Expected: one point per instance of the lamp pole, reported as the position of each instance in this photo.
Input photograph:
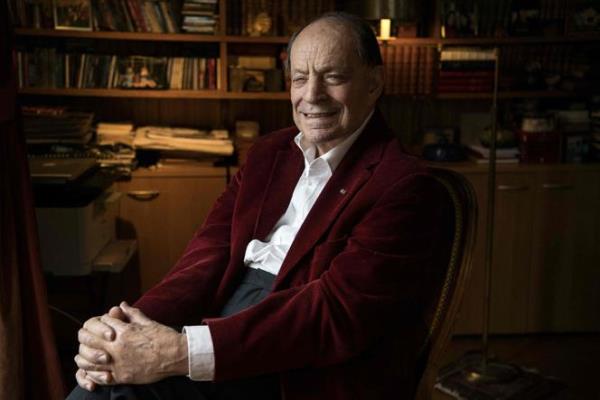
(483, 370)
(490, 217)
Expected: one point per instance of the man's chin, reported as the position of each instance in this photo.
(319, 135)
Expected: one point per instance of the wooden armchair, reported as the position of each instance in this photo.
(459, 268)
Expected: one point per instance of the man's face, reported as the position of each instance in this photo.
(332, 90)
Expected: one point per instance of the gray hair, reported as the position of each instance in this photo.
(367, 47)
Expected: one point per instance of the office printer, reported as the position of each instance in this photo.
(76, 209)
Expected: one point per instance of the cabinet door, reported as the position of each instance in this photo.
(512, 252)
(565, 259)
(163, 213)
(511, 256)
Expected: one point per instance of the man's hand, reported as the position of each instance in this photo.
(95, 327)
(143, 351)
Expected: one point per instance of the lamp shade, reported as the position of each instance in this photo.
(398, 10)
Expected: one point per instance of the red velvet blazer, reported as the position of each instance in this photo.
(346, 318)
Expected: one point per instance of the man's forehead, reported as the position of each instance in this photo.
(325, 45)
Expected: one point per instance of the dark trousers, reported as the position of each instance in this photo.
(255, 286)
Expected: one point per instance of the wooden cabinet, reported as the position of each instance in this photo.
(565, 261)
(546, 250)
(162, 208)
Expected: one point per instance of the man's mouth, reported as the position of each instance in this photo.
(319, 114)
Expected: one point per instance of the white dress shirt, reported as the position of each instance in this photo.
(269, 255)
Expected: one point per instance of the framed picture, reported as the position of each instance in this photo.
(73, 14)
(254, 80)
(138, 72)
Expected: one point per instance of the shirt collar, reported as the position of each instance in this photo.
(334, 156)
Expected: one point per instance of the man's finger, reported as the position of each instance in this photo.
(134, 314)
(117, 313)
(114, 323)
(99, 377)
(83, 381)
(93, 355)
(89, 366)
(98, 328)
(91, 340)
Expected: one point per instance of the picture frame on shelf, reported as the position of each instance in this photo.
(139, 72)
(254, 80)
(72, 14)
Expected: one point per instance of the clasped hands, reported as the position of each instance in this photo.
(126, 347)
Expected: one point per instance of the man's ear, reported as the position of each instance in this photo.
(376, 81)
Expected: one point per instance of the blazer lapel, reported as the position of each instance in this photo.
(352, 173)
(285, 173)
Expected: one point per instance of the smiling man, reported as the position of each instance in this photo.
(313, 273)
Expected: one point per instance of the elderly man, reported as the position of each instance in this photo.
(311, 276)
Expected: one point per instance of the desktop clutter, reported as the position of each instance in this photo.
(528, 134)
(74, 162)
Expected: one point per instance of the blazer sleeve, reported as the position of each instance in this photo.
(187, 292)
(383, 270)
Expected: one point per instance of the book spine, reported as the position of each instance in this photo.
(150, 17)
(67, 71)
(126, 15)
(202, 73)
(212, 84)
(169, 22)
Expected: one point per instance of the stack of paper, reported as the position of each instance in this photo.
(182, 139)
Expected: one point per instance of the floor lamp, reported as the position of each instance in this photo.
(481, 369)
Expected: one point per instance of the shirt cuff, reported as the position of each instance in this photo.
(201, 354)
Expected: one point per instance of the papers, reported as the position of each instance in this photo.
(182, 139)
(113, 133)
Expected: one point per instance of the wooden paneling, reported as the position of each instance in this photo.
(546, 257)
(565, 260)
(511, 253)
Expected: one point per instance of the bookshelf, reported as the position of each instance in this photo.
(223, 42)
(226, 46)
(156, 94)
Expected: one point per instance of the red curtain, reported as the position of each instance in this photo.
(29, 367)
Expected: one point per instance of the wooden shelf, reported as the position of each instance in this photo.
(510, 95)
(500, 41)
(491, 41)
(257, 39)
(157, 94)
(149, 36)
(222, 95)
(189, 37)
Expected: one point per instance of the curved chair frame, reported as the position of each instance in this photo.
(457, 275)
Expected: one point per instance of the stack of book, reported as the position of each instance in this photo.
(481, 154)
(409, 69)
(469, 70)
(56, 125)
(134, 16)
(110, 133)
(200, 16)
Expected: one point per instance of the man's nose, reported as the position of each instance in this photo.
(315, 90)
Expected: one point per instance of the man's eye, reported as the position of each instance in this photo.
(299, 79)
(334, 78)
